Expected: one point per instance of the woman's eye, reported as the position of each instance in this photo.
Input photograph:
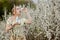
(17, 8)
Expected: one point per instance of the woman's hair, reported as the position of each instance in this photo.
(14, 10)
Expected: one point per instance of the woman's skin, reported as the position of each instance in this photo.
(16, 11)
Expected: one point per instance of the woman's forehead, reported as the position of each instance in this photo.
(17, 7)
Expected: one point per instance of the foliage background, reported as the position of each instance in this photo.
(45, 24)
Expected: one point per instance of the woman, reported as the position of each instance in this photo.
(15, 23)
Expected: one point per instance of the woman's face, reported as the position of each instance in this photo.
(17, 10)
